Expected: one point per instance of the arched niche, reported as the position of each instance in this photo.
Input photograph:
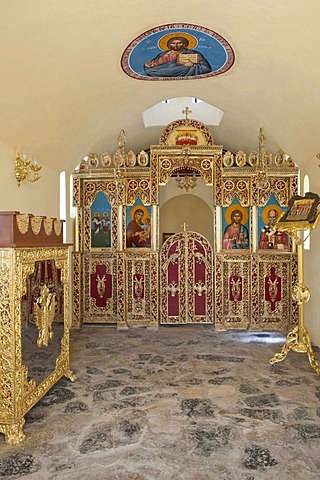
(186, 208)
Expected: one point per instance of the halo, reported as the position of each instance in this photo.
(236, 207)
(162, 43)
(266, 210)
(139, 207)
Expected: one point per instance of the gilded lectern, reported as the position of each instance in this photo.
(34, 315)
(302, 215)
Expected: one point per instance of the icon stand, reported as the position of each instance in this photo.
(301, 215)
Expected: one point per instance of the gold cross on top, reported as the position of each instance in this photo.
(186, 111)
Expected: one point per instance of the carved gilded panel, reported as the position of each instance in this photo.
(100, 288)
(241, 187)
(271, 289)
(7, 346)
(76, 192)
(121, 281)
(232, 282)
(154, 292)
(141, 282)
(217, 191)
(19, 392)
(171, 160)
(169, 134)
(186, 283)
(138, 187)
(154, 198)
(76, 301)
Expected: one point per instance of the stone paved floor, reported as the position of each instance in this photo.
(182, 403)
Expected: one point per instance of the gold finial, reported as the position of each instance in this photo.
(185, 226)
(186, 111)
(122, 140)
(261, 138)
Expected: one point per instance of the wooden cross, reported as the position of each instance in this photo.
(186, 111)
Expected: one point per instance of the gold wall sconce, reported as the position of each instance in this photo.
(26, 168)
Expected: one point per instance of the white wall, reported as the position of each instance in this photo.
(312, 260)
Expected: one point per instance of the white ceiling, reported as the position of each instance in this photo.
(63, 93)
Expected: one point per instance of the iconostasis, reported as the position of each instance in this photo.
(130, 269)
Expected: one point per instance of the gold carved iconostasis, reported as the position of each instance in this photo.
(183, 233)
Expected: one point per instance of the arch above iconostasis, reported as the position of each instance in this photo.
(187, 145)
(183, 132)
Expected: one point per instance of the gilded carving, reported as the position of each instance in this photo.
(143, 159)
(36, 223)
(57, 225)
(76, 303)
(76, 192)
(101, 285)
(241, 159)
(186, 279)
(173, 288)
(232, 283)
(301, 293)
(17, 393)
(236, 186)
(271, 280)
(7, 354)
(138, 299)
(200, 288)
(228, 159)
(22, 220)
(176, 158)
(252, 290)
(138, 287)
(45, 307)
(138, 187)
(99, 296)
(203, 134)
(47, 225)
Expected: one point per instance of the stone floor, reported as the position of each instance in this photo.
(182, 403)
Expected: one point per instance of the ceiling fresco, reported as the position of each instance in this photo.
(177, 51)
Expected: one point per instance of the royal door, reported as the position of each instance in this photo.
(186, 279)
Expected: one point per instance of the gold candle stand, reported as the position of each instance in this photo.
(298, 339)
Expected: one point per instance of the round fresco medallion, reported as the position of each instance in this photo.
(177, 51)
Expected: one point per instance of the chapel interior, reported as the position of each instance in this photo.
(141, 338)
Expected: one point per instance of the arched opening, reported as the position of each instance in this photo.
(186, 208)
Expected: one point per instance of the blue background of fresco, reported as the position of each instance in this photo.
(147, 49)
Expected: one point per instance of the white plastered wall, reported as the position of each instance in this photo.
(312, 260)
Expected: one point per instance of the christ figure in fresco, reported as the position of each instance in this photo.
(177, 61)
